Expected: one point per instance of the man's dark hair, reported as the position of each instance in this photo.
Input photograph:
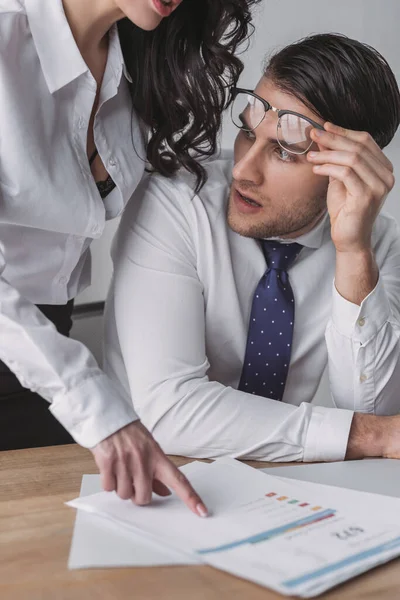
(182, 73)
(343, 81)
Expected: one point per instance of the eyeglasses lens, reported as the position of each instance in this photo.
(294, 134)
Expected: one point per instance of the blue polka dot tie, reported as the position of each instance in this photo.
(269, 341)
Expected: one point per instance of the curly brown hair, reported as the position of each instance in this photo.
(182, 73)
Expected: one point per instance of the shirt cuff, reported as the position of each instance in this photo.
(361, 323)
(328, 434)
(94, 410)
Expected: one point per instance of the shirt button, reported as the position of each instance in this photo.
(363, 377)
(81, 123)
(95, 229)
(63, 280)
(361, 322)
(112, 162)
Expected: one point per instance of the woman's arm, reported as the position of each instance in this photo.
(60, 369)
(89, 404)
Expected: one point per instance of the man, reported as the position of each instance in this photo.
(228, 304)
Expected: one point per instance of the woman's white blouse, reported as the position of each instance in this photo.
(50, 207)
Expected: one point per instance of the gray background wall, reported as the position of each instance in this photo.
(280, 22)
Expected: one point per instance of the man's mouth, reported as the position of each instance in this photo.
(248, 200)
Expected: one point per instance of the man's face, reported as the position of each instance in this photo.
(289, 197)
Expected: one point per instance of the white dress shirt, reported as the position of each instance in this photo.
(177, 325)
(51, 208)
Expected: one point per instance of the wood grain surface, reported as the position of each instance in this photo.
(35, 537)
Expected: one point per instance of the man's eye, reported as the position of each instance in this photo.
(249, 135)
(284, 155)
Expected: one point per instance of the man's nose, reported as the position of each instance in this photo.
(250, 167)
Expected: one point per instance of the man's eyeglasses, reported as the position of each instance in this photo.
(293, 129)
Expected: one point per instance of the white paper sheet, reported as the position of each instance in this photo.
(269, 530)
(374, 475)
(98, 543)
(367, 508)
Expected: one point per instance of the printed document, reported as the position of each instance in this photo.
(263, 528)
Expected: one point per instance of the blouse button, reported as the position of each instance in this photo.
(95, 229)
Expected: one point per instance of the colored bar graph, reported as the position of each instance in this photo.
(293, 501)
(271, 533)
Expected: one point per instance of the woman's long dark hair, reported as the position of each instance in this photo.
(181, 74)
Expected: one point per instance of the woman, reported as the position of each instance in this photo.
(88, 90)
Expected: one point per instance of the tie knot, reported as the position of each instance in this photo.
(280, 255)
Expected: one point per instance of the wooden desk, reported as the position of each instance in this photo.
(35, 537)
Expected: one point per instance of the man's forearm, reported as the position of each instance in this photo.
(356, 275)
(369, 436)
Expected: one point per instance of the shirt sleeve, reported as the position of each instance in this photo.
(159, 313)
(363, 341)
(84, 399)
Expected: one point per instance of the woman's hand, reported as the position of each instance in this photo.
(132, 463)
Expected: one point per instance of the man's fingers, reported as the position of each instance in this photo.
(368, 170)
(363, 138)
(346, 175)
(338, 138)
(172, 477)
(160, 489)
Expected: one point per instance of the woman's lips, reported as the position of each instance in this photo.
(165, 9)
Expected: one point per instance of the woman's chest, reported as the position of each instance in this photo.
(45, 176)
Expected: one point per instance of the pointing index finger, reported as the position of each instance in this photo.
(171, 476)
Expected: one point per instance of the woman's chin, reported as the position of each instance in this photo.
(147, 24)
(142, 14)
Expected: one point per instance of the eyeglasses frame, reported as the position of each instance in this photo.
(281, 113)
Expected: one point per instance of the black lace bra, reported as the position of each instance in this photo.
(104, 187)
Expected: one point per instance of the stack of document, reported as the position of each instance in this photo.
(295, 539)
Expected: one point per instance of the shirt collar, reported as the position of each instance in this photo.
(115, 56)
(311, 239)
(59, 56)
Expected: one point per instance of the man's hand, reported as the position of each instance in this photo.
(360, 178)
(132, 463)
